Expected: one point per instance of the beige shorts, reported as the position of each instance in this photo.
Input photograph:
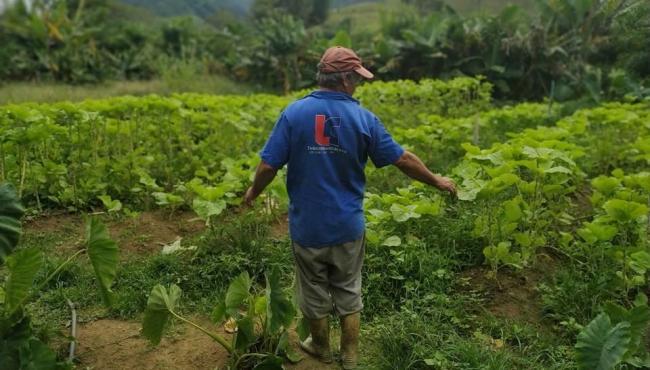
(329, 278)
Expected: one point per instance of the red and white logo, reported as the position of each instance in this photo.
(325, 130)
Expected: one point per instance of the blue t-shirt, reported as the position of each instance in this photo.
(326, 139)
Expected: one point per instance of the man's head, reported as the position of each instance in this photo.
(340, 69)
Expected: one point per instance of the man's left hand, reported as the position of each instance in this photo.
(448, 185)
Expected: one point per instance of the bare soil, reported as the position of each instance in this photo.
(512, 295)
(116, 345)
(150, 231)
(53, 222)
(144, 235)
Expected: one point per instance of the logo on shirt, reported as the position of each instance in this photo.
(326, 136)
(325, 130)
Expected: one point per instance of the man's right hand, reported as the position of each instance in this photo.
(249, 197)
(446, 184)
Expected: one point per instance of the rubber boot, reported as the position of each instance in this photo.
(318, 342)
(350, 326)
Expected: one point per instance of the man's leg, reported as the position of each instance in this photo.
(314, 300)
(345, 287)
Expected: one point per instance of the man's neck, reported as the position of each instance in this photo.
(333, 90)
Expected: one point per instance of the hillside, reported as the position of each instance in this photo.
(365, 12)
(201, 8)
(204, 8)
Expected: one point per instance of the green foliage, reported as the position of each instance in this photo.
(619, 225)
(10, 213)
(103, 255)
(160, 306)
(21, 348)
(614, 337)
(22, 267)
(602, 345)
(262, 320)
(280, 311)
(102, 152)
(311, 12)
(585, 51)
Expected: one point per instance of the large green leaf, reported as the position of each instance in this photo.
(403, 213)
(245, 333)
(392, 241)
(470, 188)
(22, 267)
(512, 211)
(606, 185)
(103, 254)
(624, 211)
(280, 311)
(36, 355)
(638, 317)
(238, 292)
(159, 307)
(601, 346)
(206, 209)
(10, 213)
(302, 328)
(218, 313)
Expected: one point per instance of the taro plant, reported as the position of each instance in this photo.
(262, 320)
(615, 337)
(20, 348)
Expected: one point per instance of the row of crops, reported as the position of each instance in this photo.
(535, 181)
(188, 149)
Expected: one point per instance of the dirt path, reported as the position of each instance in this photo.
(113, 344)
(116, 345)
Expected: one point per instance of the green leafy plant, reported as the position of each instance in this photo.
(524, 187)
(615, 337)
(619, 227)
(262, 321)
(20, 348)
(112, 205)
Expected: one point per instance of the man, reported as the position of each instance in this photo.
(326, 139)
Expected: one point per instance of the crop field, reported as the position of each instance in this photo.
(128, 212)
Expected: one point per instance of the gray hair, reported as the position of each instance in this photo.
(335, 80)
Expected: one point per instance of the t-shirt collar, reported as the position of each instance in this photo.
(322, 94)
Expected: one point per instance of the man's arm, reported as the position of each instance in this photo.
(263, 177)
(414, 168)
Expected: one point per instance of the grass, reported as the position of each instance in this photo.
(433, 319)
(47, 92)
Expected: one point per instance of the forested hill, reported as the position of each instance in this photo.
(202, 8)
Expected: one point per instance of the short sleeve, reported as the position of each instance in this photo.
(276, 150)
(383, 150)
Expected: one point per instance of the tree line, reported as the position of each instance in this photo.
(590, 49)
